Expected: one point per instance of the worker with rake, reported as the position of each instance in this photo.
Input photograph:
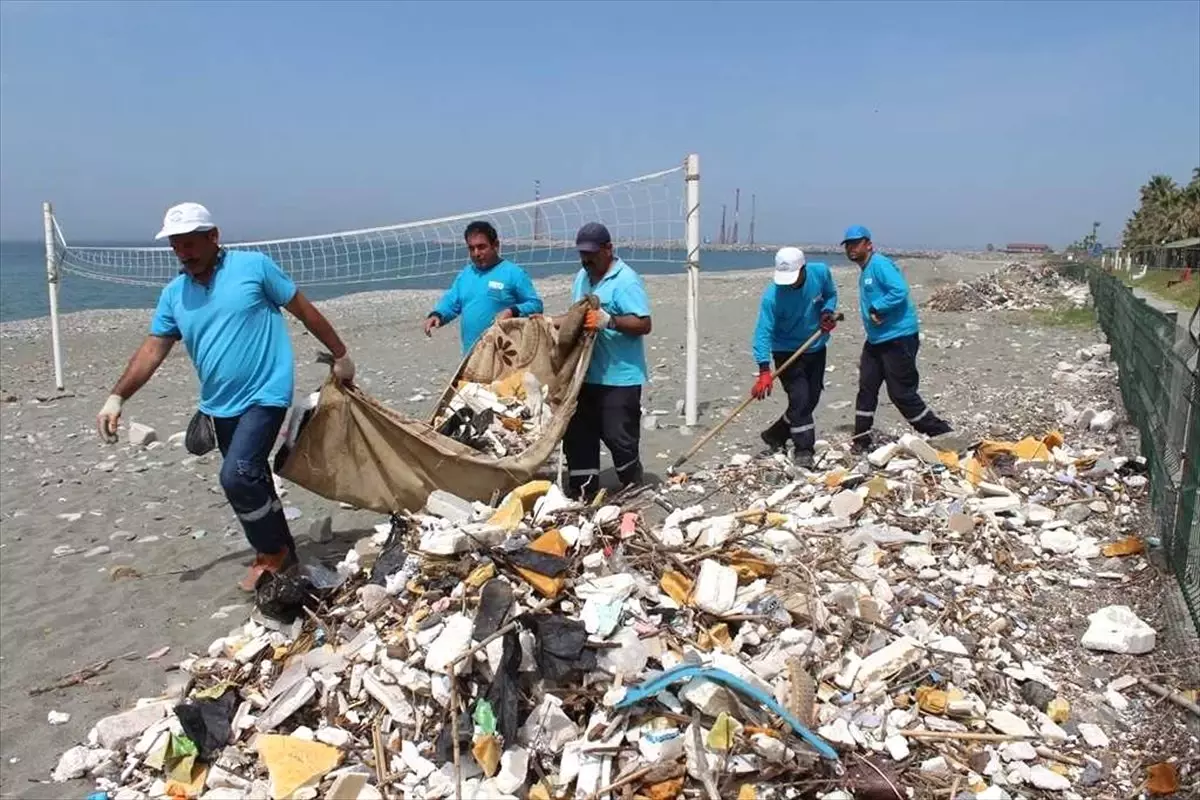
(799, 304)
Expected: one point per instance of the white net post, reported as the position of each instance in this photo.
(692, 245)
(52, 276)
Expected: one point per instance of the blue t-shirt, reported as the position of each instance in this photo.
(618, 358)
(478, 295)
(788, 316)
(881, 286)
(234, 332)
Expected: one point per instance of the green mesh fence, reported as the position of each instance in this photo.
(1160, 385)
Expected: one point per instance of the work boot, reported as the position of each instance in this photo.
(775, 437)
(266, 562)
(862, 443)
(804, 459)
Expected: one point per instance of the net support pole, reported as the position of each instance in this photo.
(52, 276)
(692, 243)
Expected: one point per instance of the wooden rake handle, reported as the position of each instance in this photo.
(742, 406)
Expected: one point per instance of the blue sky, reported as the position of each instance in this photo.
(936, 124)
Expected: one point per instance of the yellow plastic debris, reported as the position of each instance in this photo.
(551, 543)
(835, 478)
(721, 737)
(518, 503)
(511, 386)
(192, 786)
(747, 792)
(481, 575)
(1030, 449)
(714, 637)
(749, 566)
(664, 790)
(877, 487)
(932, 701)
(1054, 439)
(293, 763)
(677, 586)
(487, 754)
(540, 791)
(765, 519)
(1058, 710)
(949, 459)
(1129, 546)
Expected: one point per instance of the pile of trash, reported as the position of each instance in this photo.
(887, 626)
(499, 419)
(1018, 285)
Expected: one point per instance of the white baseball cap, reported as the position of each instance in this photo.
(788, 263)
(185, 218)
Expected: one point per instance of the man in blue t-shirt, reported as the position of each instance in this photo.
(609, 408)
(889, 355)
(798, 304)
(487, 290)
(225, 307)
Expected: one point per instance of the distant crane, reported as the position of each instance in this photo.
(753, 212)
(721, 237)
(737, 202)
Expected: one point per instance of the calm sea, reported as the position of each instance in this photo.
(23, 279)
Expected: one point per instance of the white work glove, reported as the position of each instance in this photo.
(343, 369)
(109, 418)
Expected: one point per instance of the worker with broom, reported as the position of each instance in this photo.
(799, 303)
(889, 355)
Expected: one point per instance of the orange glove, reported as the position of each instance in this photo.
(596, 320)
(762, 387)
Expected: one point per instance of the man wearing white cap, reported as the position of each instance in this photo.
(224, 305)
(800, 302)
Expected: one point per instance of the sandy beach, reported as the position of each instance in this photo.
(161, 511)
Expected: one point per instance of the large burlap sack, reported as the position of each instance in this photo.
(355, 450)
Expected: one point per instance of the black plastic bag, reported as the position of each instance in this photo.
(208, 723)
(445, 740)
(393, 556)
(201, 435)
(504, 693)
(542, 563)
(282, 596)
(467, 427)
(560, 650)
(494, 603)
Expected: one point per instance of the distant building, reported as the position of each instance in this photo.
(1025, 247)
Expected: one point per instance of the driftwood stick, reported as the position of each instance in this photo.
(950, 736)
(1174, 697)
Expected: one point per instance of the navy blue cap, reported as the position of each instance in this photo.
(856, 232)
(592, 238)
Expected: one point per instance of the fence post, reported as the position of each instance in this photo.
(52, 277)
(692, 244)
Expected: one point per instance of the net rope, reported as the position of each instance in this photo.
(645, 215)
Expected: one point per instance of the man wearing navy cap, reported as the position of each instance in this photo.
(609, 408)
(800, 302)
(889, 355)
